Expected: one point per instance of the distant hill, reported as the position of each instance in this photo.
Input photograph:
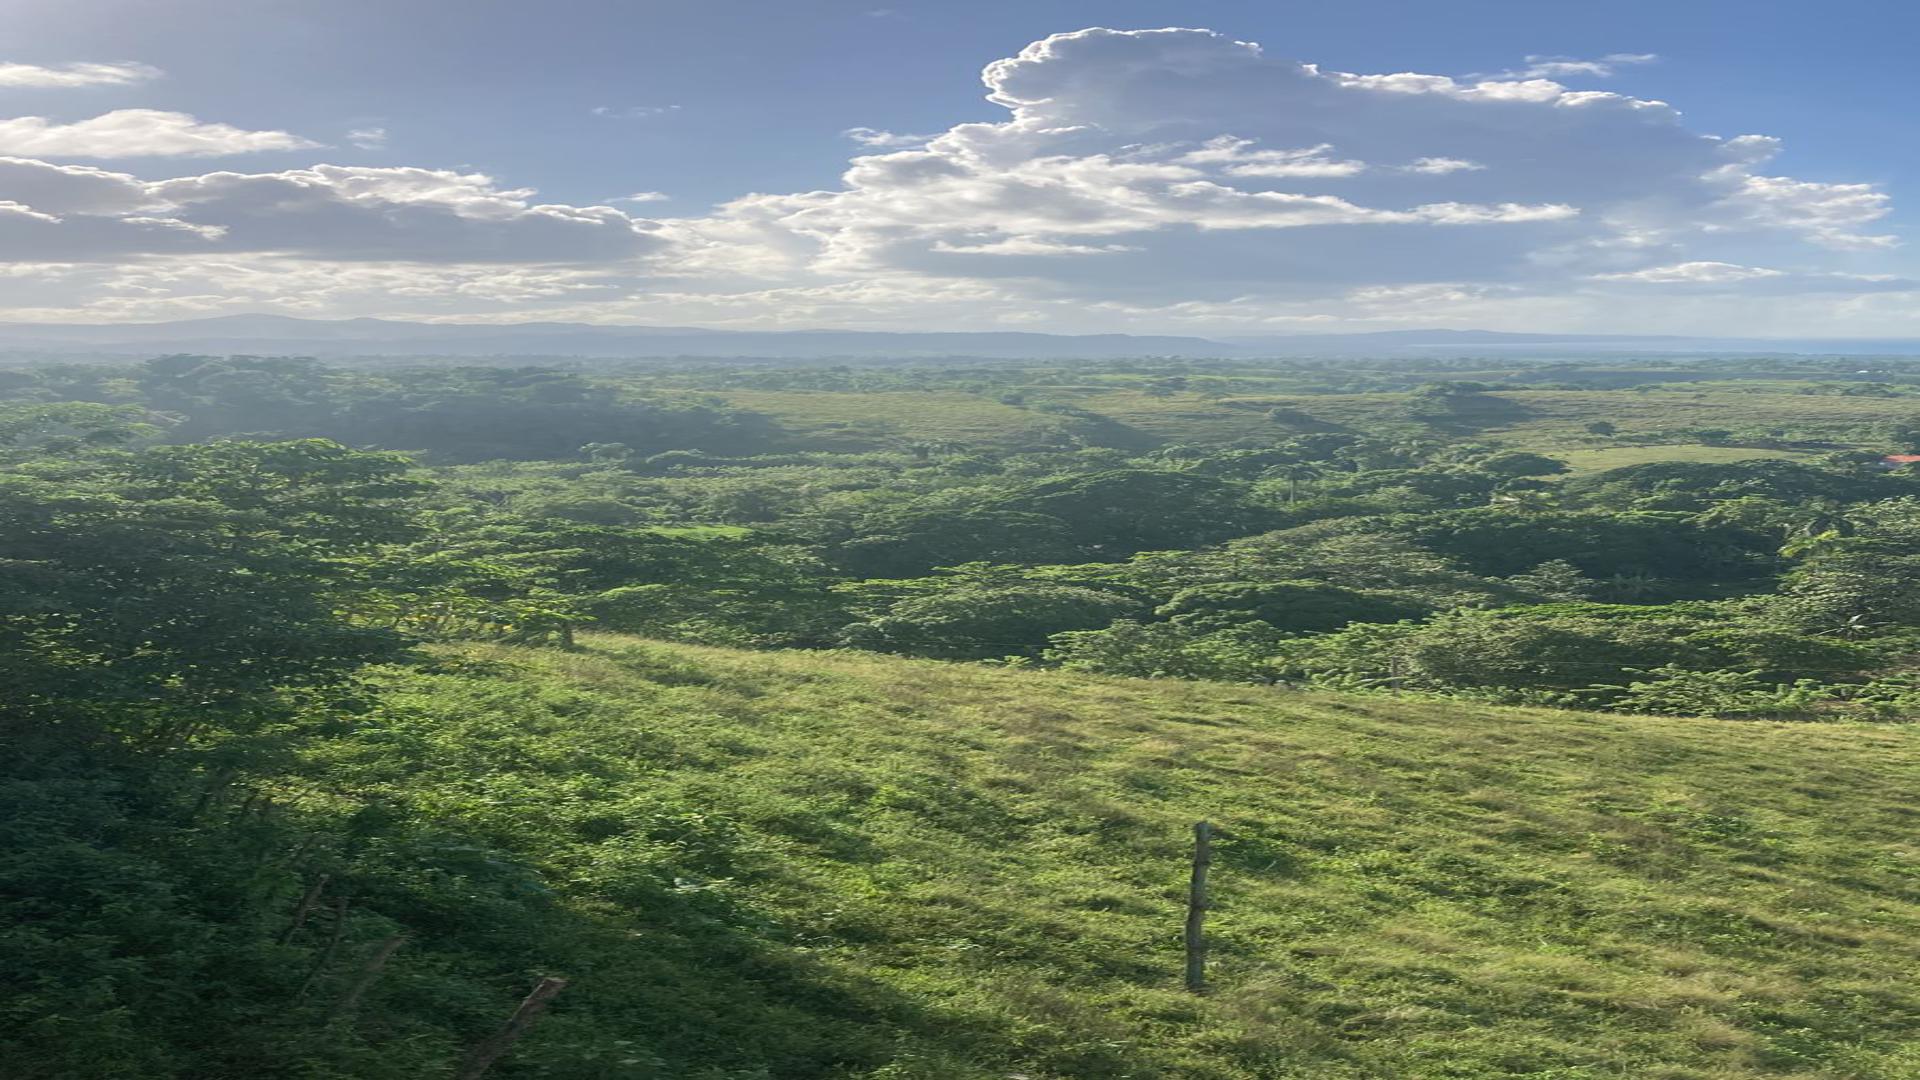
(279, 334)
(1498, 343)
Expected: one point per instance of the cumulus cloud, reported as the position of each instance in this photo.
(127, 133)
(75, 75)
(1829, 214)
(1194, 163)
(327, 212)
(213, 285)
(71, 189)
(1138, 179)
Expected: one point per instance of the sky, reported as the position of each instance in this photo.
(1216, 168)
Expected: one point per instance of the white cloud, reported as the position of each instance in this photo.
(1143, 180)
(889, 140)
(71, 189)
(213, 285)
(1170, 143)
(632, 112)
(127, 133)
(1239, 159)
(1734, 279)
(368, 138)
(644, 197)
(1561, 67)
(22, 210)
(1694, 273)
(1027, 245)
(1829, 214)
(1441, 166)
(327, 212)
(75, 75)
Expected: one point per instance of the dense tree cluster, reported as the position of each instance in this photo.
(445, 414)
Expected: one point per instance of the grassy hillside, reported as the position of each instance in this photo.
(1600, 459)
(823, 420)
(1547, 420)
(904, 869)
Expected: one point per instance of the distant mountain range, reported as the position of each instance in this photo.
(1498, 342)
(283, 335)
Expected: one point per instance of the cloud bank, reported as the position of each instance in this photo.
(63, 213)
(1141, 179)
(130, 133)
(72, 75)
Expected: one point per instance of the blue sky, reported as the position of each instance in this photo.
(467, 160)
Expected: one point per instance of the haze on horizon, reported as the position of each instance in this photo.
(1729, 170)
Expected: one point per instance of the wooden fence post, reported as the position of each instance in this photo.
(1196, 936)
(482, 1057)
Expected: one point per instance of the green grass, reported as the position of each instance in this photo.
(1545, 420)
(1599, 459)
(699, 532)
(960, 873)
(828, 420)
(1564, 414)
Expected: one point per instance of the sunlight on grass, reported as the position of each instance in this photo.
(1600, 459)
(1406, 887)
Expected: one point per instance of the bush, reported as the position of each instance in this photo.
(983, 621)
(1292, 606)
(1677, 691)
(1171, 650)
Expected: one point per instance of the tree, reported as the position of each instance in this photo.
(1841, 587)
(1513, 464)
(1677, 691)
(1556, 579)
(913, 540)
(151, 595)
(1169, 650)
(448, 414)
(175, 623)
(1293, 472)
(1289, 606)
(1120, 511)
(979, 621)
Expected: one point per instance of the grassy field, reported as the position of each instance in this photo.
(1547, 420)
(826, 420)
(960, 873)
(1599, 459)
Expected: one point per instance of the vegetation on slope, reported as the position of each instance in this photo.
(1356, 500)
(271, 807)
(809, 865)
